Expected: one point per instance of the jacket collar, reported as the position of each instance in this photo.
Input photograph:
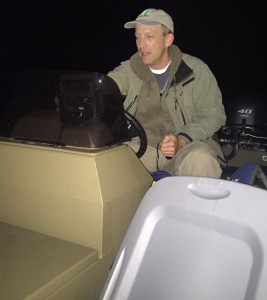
(183, 72)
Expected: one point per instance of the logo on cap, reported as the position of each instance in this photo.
(146, 12)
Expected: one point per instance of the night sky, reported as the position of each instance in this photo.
(230, 36)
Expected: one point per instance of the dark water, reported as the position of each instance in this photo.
(230, 36)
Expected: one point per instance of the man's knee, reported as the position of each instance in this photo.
(199, 160)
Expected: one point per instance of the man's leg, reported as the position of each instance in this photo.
(195, 159)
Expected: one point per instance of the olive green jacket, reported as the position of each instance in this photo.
(192, 94)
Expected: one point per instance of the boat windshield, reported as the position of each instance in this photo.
(51, 106)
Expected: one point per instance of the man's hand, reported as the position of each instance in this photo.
(171, 144)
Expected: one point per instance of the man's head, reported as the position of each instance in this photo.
(154, 34)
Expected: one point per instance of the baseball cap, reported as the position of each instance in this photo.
(152, 16)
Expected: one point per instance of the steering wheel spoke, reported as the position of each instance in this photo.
(136, 129)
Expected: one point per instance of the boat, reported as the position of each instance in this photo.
(70, 186)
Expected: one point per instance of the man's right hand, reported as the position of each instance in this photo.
(171, 144)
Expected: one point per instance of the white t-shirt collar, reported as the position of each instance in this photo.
(161, 70)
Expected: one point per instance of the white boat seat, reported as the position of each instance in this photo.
(194, 239)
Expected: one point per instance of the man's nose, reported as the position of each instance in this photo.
(141, 42)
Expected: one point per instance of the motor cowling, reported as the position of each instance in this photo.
(246, 126)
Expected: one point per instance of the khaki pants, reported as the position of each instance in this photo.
(194, 159)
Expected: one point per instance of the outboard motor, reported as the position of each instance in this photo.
(246, 126)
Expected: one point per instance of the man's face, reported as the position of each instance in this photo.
(152, 45)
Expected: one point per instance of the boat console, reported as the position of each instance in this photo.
(69, 189)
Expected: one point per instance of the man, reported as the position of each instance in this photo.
(175, 97)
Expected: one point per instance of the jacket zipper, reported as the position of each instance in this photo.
(132, 103)
(176, 102)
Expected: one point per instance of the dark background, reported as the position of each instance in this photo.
(230, 36)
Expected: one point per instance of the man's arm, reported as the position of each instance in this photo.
(207, 114)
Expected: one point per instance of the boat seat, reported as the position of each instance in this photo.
(194, 238)
(252, 174)
(249, 174)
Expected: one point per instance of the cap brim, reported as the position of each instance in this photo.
(132, 24)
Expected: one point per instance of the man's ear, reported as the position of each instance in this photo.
(169, 39)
